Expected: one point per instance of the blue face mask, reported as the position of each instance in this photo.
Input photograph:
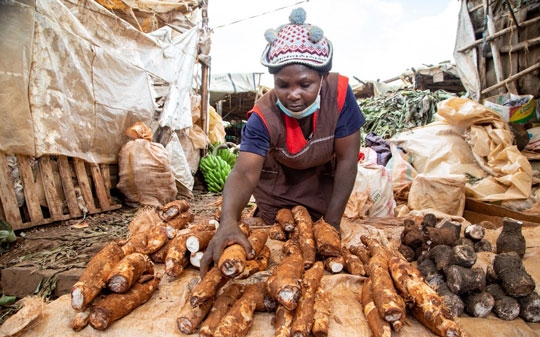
(307, 111)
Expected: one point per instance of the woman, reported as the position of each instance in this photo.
(301, 142)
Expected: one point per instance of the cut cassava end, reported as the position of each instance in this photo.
(94, 277)
(284, 282)
(326, 238)
(334, 264)
(128, 271)
(115, 306)
(173, 209)
(195, 259)
(306, 239)
(285, 219)
(233, 260)
(81, 320)
(198, 240)
(390, 304)
(190, 317)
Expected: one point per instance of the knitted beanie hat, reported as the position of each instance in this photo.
(297, 43)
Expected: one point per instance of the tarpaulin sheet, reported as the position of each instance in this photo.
(74, 77)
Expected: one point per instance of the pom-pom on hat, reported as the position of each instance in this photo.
(297, 43)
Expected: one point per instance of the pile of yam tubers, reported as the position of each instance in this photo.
(121, 277)
(471, 276)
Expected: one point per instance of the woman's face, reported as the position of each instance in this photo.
(297, 86)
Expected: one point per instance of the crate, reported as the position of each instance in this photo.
(70, 188)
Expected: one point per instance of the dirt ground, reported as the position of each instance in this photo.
(72, 243)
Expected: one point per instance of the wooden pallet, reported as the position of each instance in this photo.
(85, 188)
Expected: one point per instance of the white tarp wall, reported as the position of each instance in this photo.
(74, 77)
(232, 83)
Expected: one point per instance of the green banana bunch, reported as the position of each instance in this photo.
(215, 171)
(227, 155)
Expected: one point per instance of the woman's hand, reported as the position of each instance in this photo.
(226, 235)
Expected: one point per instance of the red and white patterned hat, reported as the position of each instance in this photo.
(297, 43)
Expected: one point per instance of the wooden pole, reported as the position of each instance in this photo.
(204, 74)
(513, 77)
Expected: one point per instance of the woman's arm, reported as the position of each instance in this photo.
(347, 149)
(236, 194)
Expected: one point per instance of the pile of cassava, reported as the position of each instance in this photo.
(468, 273)
(122, 277)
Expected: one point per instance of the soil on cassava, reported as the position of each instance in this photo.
(72, 243)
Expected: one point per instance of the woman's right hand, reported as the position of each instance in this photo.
(227, 234)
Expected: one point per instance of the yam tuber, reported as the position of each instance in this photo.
(453, 302)
(190, 317)
(505, 307)
(239, 318)
(530, 307)
(474, 232)
(321, 313)
(284, 282)
(327, 238)
(233, 260)
(285, 219)
(207, 288)
(379, 327)
(428, 307)
(515, 280)
(478, 304)
(389, 303)
(303, 319)
(430, 273)
(446, 234)
(128, 271)
(412, 236)
(306, 239)
(115, 306)
(511, 238)
(463, 280)
(221, 306)
(94, 277)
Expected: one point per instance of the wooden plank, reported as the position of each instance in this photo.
(84, 185)
(480, 207)
(51, 195)
(513, 77)
(7, 194)
(106, 174)
(30, 187)
(103, 199)
(67, 185)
